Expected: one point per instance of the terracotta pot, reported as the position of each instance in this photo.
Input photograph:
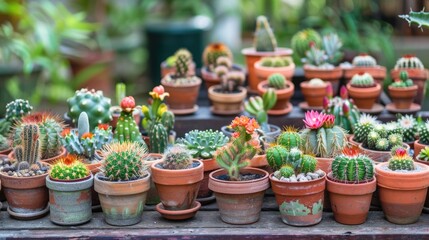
(115, 116)
(178, 189)
(350, 201)
(122, 202)
(379, 156)
(330, 75)
(377, 72)
(402, 194)
(403, 97)
(364, 98)
(324, 164)
(253, 56)
(165, 70)
(313, 95)
(264, 72)
(300, 203)
(70, 201)
(211, 78)
(418, 147)
(226, 103)
(426, 205)
(51, 160)
(182, 98)
(6, 152)
(209, 166)
(239, 202)
(283, 97)
(419, 77)
(152, 197)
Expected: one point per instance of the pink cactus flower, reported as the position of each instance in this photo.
(346, 108)
(343, 93)
(128, 103)
(329, 91)
(314, 119)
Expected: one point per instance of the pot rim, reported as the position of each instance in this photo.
(211, 91)
(172, 85)
(263, 86)
(409, 178)
(239, 187)
(138, 186)
(350, 188)
(180, 176)
(403, 89)
(70, 186)
(279, 51)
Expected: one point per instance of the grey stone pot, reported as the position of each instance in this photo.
(70, 201)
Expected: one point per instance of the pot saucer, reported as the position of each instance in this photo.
(185, 111)
(287, 110)
(413, 108)
(304, 107)
(226, 112)
(377, 108)
(178, 214)
(207, 200)
(28, 216)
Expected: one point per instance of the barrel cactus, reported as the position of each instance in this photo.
(93, 103)
(275, 156)
(289, 138)
(286, 163)
(264, 40)
(382, 139)
(364, 60)
(69, 167)
(409, 61)
(203, 144)
(401, 161)
(351, 166)
(212, 52)
(126, 128)
(258, 107)
(16, 109)
(362, 80)
(177, 157)
(277, 81)
(301, 41)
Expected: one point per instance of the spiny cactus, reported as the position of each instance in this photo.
(126, 128)
(289, 138)
(363, 127)
(264, 40)
(16, 109)
(401, 161)
(301, 41)
(28, 152)
(403, 81)
(203, 144)
(93, 103)
(123, 161)
(424, 133)
(69, 167)
(420, 18)
(278, 157)
(317, 82)
(362, 80)
(212, 52)
(424, 155)
(183, 62)
(177, 157)
(364, 60)
(383, 137)
(332, 45)
(158, 138)
(275, 61)
(258, 107)
(409, 61)
(4, 143)
(277, 81)
(286, 171)
(352, 166)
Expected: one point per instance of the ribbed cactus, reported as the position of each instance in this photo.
(69, 167)
(286, 171)
(362, 80)
(352, 167)
(177, 157)
(277, 81)
(289, 138)
(183, 62)
(403, 81)
(158, 138)
(401, 161)
(123, 161)
(29, 151)
(16, 109)
(424, 154)
(409, 62)
(93, 103)
(316, 82)
(167, 119)
(308, 164)
(424, 133)
(275, 61)
(363, 127)
(203, 144)
(332, 45)
(258, 107)
(126, 128)
(278, 157)
(301, 41)
(264, 40)
(213, 51)
(364, 60)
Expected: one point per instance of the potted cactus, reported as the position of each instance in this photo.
(116, 110)
(423, 141)
(298, 187)
(314, 91)
(123, 183)
(264, 45)
(363, 126)
(402, 185)
(301, 40)
(416, 71)
(158, 121)
(321, 61)
(409, 129)
(283, 90)
(351, 185)
(227, 98)
(177, 179)
(202, 145)
(365, 63)
(364, 90)
(168, 66)
(69, 183)
(403, 91)
(182, 86)
(23, 179)
(270, 65)
(126, 128)
(239, 191)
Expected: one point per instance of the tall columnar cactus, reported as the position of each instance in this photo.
(289, 138)
(277, 81)
(264, 41)
(69, 167)
(408, 125)
(183, 62)
(258, 107)
(212, 52)
(301, 41)
(362, 80)
(321, 136)
(352, 167)
(203, 144)
(177, 157)
(16, 109)
(401, 161)
(158, 138)
(28, 152)
(424, 133)
(345, 112)
(364, 60)
(363, 127)
(409, 61)
(123, 161)
(126, 128)
(93, 103)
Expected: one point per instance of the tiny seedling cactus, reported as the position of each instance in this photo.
(364, 60)
(403, 81)
(401, 161)
(351, 166)
(16, 109)
(69, 167)
(177, 157)
(258, 107)
(424, 155)
(126, 127)
(264, 40)
(301, 41)
(203, 144)
(277, 81)
(362, 80)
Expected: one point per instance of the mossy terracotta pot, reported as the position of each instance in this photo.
(283, 96)
(330, 75)
(122, 202)
(183, 98)
(402, 194)
(418, 147)
(377, 72)
(264, 72)
(350, 202)
(300, 203)
(403, 97)
(419, 77)
(226, 103)
(364, 98)
(239, 202)
(379, 156)
(70, 201)
(313, 95)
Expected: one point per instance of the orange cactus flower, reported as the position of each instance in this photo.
(103, 126)
(87, 135)
(65, 132)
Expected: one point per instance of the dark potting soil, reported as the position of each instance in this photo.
(219, 90)
(243, 177)
(104, 178)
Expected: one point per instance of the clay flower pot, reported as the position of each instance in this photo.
(264, 72)
(252, 56)
(350, 201)
(365, 97)
(403, 97)
(226, 103)
(205, 195)
(325, 164)
(330, 75)
(376, 72)
(116, 112)
(300, 203)
(152, 197)
(183, 98)
(6, 152)
(313, 95)
(239, 202)
(402, 194)
(282, 105)
(70, 201)
(211, 78)
(122, 202)
(419, 77)
(379, 156)
(165, 70)
(418, 147)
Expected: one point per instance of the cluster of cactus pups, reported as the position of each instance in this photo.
(126, 127)
(403, 81)
(351, 166)
(177, 157)
(230, 80)
(384, 137)
(400, 160)
(258, 107)
(203, 144)
(212, 53)
(69, 167)
(275, 61)
(362, 80)
(364, 60)
(277, 81)
(183, 64)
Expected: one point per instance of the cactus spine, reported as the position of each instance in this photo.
(177, 157)
(363, 127)
(352, 167)
(264, 41)
(28, 152)
(277, 81)
(16, 109)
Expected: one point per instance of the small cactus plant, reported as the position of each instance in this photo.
(424, 133)
(69, 167)
(126, 127)
(16, 109)
(203, 144)
(409, 61)
(362, 80)
(401, 161)
(177, 157)
(264, 40)
(424, 154)
(409, 126)
(258, 107)
(275, 62)
(364, 60)
(277, 81)
(351, 166)
(212, 53)
(182, 75)
(28, 153)
(403, 81)
(230, 80)
(289, 138)
(383, 137)
(326, 56)
(363, 127)
(301, 41)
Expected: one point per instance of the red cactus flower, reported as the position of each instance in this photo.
(343, 93)
(351, 151)
(400, 152)
(103, 126)
(65, 132)
(314, 119)
(87, 135)
(329, 121)
(409, 56)
(69, 159)
(128, 103)
(249, 124)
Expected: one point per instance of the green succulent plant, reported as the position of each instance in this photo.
(424, 154)
(203, 144)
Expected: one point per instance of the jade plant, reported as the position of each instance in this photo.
(409, 128)
(69, 167)
(243, 146)
(424, 155)
(275, 62)
(212, 52)
(182, 74)
(301, 41)
(126, 127)
(424, 133)
(327, 56)
(265, 40)
(400, 160)
(158, 121)
(277, 81)
(363, 127)
(177, 157)
(353, 167)
(403, 81)
(231, 81)
(202, 144)
(364, 60)
(259, 106)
